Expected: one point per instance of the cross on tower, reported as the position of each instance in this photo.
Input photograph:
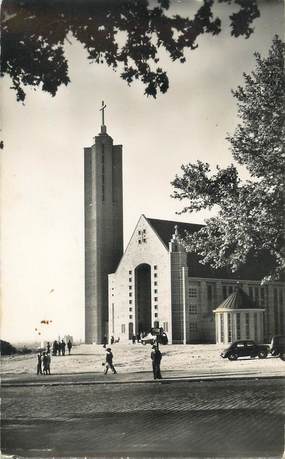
(102, 110)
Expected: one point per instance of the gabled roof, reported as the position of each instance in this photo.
(255, 269)
(166, 228)
(238, 300)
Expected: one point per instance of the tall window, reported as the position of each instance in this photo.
(238, 325)
(255, 326)
(229, 328)
(275, 303)
(247, 325)
(222, 327)
(113, 321)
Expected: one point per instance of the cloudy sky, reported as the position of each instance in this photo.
(42, 238)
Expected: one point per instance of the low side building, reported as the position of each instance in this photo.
(238, 318)
(157, 280)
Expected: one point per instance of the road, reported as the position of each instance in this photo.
(240, 418)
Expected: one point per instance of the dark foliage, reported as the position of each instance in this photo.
(251, 216)
(122, 34)
(7, 348)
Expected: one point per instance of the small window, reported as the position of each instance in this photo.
(130, 309)
(130, 272)
(130, 279)
(139, 241)
(192, 292)
(144, 239)
(155, 290)
(155, 274)
(139, 232)
(155, 267)
(155, 298)
(144, 231)
(130, 294)
(155, 314)
(193, 327)
(130, 287)
(156, 306)
(130, 317)
(193, 309)
(155, 282)
(130, 301)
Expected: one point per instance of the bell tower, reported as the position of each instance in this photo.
(103, 205)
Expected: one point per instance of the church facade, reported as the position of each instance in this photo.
(158, 281)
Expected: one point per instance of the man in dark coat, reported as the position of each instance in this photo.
(69, 346)
(62, 345)
(109, 361)
(39, 364)
(156, 359)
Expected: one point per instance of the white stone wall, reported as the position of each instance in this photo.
(122, 288)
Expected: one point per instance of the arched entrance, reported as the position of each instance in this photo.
(143, 298)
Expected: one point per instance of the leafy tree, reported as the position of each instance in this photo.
(250, 218)
(124, 34)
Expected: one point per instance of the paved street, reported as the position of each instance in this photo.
(242, 418)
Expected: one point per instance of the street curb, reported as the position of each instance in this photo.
(146, 381)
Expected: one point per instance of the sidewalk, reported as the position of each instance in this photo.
(132, 378)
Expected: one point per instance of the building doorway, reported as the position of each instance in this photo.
(143, 298)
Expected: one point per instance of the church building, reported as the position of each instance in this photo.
(156, 280)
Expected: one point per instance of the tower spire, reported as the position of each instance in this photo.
(103, 127)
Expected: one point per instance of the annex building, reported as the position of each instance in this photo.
(157, 280)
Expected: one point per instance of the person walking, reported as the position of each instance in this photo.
(134, 339)
(156, 359)
(109, 361)
(112, 339)
(69, 346)
(39, 364)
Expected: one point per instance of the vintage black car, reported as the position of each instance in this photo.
(245, 348)
(277, 346)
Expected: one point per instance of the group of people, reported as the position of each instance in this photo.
(44, 357)
(58, 347)
(43, 364)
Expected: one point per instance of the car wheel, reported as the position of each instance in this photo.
(262, 354)
(282, 356)
(232, 356)
(275, 353)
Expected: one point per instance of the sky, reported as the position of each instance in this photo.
(42, 201)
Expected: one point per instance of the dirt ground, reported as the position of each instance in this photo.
(192, 359)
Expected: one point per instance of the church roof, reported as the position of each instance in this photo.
(255, 269)
(166, 228)
(238, 300)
